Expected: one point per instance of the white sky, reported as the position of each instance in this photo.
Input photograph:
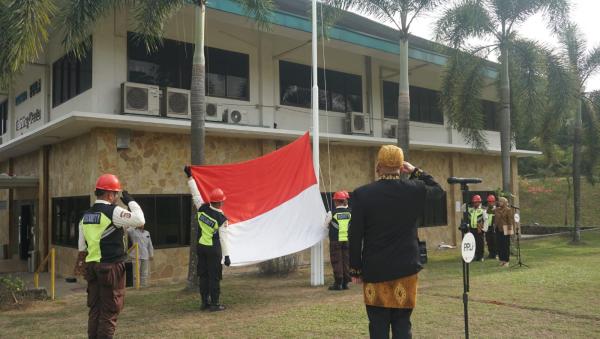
(583, 12)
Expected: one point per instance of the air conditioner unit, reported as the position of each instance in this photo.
(176, 103)
(359, 123)
(140, 99)
(214, 112)
(236, 116)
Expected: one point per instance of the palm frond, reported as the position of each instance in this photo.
(381, 10)
(24, 29)
(259, 10)
(460, 100)
(151, 17)
(591, 64)
(591, 135)
(573, 46)
(468, 19)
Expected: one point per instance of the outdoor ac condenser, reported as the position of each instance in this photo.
(140, 99)
(176, 103)
(236, 117)
(359, 123)
(214, 113)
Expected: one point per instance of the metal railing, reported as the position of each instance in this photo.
(36, 275)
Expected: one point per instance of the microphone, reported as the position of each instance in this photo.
(515, 207)
(464, 181)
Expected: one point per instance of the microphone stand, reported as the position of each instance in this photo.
(518, 237)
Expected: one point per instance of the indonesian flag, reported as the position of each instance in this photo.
(273, 204)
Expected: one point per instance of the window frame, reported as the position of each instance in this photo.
(68, 77)
(58, 238)
(4, 117)
(416, 98)
(325, 102)
(184, 52)
(151, 215)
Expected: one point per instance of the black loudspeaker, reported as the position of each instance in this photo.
(128, 274)
(423, 252)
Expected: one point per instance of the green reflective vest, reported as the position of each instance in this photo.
(490, 214)
(94, 226)
(343, 221)
(476, 216)
(208, 227)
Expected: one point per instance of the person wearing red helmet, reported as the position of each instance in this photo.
(339, 252)
(490, 232)
(477, 218)
(102, 244)
(212, 244)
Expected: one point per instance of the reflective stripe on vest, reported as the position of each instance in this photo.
(208, 227)
(476, 215)
(95, 227)
(343, 221)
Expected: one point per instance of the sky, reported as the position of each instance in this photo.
(583, 12)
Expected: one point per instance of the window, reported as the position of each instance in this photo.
(168, 219)
(71, 77)
(424, 103)
(339, 92)
(66, 214)
(489, 111)
(3, 116)
(227, 73)
(436, 213)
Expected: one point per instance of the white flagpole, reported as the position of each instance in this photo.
(316, 254)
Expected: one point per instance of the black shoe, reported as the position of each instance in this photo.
(345, 286)
(204, 303)
(335, 287)
(216, 308)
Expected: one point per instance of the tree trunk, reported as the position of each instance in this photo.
(577, 172)
(567, 198)
(198, 106)
(505, 135)
(280, 266)
(403, 126)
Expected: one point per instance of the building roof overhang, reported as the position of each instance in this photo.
(10, 181)
(78, 123)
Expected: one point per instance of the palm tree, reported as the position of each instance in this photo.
(582, 64)
(26, 24)
(496, 22)
(400, 13)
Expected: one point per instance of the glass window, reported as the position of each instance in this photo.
(168, 219)
(424, 103)
(489, 111)
(71, 77)
(3, 116)
(338, 91)
(66, 214)
(227, 73)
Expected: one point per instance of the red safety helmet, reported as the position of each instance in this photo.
(341, 195)
(491, 199)
(476, 198)
(217, 195)
(108, 182)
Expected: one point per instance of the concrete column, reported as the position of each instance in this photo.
(43, 220)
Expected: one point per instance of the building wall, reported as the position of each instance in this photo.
(4, 222)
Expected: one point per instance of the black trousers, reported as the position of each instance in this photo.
(339, 254)
(210, 272)
(503, 242)
(479, 244)
(381, 319)
(490, 238)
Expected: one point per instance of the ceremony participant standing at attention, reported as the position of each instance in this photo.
(477, 218)
(339, 252)
(504, 219)
(384, 250)
(490, 232)
(145, 252)
(102, 238)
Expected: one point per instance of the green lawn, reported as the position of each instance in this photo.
(543, 201)
(558, 297)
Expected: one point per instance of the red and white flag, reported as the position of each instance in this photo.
(273, 205)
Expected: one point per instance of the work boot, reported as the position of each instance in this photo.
(205, 303)
(335, 287)
(217, 308)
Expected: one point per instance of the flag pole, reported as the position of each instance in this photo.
(316, 252)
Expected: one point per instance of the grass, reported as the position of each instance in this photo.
(558, 296)
(543, 201)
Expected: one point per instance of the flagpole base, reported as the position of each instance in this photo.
(317, 276)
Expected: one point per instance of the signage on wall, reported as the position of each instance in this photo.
(24, 121)
(19, 99)
(35, 88)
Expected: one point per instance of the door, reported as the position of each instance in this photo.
(25, 225)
